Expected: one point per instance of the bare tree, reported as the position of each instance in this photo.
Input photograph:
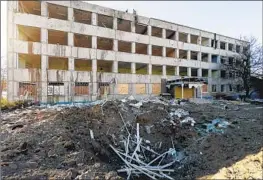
(248, 61)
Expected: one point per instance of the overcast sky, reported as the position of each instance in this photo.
(229, 18)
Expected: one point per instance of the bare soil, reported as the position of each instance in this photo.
(55, 143)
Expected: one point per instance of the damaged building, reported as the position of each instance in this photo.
(73, 51)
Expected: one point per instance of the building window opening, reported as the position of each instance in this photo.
(157, 70)
(105, 21)
(194, 55)
(29, 61)
(82, 41)
(57, 37)
(157, 32)
(141, 68)
(141, 48)
(104, 66)
(57, 12)
(124, 46)
(194, 39)
(183, 37)
(157, 50)
(28, 33)
(124, 67)
(81, 16)
(30, 7)
(170, 34)
(141, 29)
(82, 65)
(124, 25)
(182, 54)
(104, 43)
(204, 57)
(57, 63)
(170, 52)
(183, 71)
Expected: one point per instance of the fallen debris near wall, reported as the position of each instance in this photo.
(132, 138)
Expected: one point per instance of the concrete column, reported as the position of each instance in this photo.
(94, 20)
(218, 73)
(188, 38)
(44, 35)
(199, 72)
(133, 26)
(70, 14)
(164, 51)
(188, 54)
(209, 42)
(177, 70)
(200, 40)
(149, 30)
(133, 68)
(149, 49)
(71, 64)
(164, 33)
(70, 39)
(44, 10)
(177, 36)
(241, 49)
(177, 53)
(209, 58)
(199, 56)
(218, 44)
(189, 72)
(12, 58)
(218, 88)
(149, 69)
(218, 59)
(115, 45)
(209, 73)
(133, 48)
(164, 70)
(44, 80)
(115, 23)
(44, 63)
(71, 84)
(226, 46)
(11, 64)
(94, 42)
(115, 67)
(94, 79)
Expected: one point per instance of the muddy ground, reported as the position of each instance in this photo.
(55, 142)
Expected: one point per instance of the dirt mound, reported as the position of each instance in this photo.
(73, 142)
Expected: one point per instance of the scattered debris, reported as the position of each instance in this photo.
(188, 120)
(179, 113)
(135, 164)
(137, 105)
(93, 140)
(217, 126)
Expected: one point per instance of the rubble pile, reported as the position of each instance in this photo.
(150, 138)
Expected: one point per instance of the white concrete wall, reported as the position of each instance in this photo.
(44, 49)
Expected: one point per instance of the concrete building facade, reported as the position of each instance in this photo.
(65, 51)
